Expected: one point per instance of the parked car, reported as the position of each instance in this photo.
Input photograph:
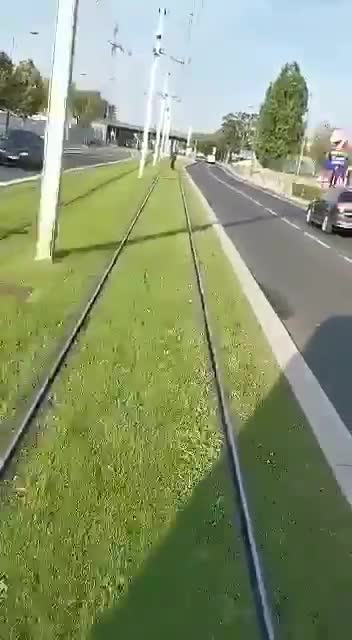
(22, 148)
(332, 211)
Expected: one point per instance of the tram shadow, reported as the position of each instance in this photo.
(195, 584)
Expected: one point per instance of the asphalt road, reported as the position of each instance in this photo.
(80, 157)
(306, 275)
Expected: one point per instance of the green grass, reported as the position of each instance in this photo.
(124, 504)
(304, 524)
(120, 520)
(39, 300)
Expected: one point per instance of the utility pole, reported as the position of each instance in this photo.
(168, 129)
(167, 125)
(189, 138)
(61, 76)
(300, 160)
(163, 98)
(157, 52)
(166, 116)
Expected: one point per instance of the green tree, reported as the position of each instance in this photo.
(86, 106)
(27, 89)
(6, 71)
(321, 144)
(281, 119)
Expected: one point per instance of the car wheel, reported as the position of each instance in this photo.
(309, 216)
(326, 226)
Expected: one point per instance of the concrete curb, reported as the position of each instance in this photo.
(330, 431)
(12, 183)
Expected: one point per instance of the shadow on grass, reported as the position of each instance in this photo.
(64, 253)
(15, 231)
(5, 234)
(194, 586)
(98, 187)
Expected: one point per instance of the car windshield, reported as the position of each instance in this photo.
(346, 196)
(23, 137)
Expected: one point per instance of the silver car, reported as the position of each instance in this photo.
(332, 211)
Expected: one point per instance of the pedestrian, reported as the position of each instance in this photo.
(173, 159)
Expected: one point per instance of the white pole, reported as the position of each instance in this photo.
(163, 138)
(168, 130)
(189, 137)
(161, 120)
(304, 138)
(148, 117)
(61, 75)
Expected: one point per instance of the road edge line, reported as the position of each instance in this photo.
(330, 431)
(232, 173)
(13, 183)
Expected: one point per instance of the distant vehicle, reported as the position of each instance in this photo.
(332, 211)
(21, 148)
(211, 158)
(200, 156)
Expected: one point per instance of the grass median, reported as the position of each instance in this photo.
(303, 523)
(124, 502)
(40, 300)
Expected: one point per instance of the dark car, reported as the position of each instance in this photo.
(21, 148)
(332, 211)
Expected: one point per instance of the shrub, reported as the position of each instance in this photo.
(305, 191)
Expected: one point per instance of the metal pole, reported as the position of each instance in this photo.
(161, 120)
(189, 137)
(61, 76)
(300, 160)
(163, 137)
(157, 52)
(168, 130)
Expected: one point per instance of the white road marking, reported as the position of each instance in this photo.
(233, 174)
(347, 258)
(331, 433)
(273, 213)
(85, 167)
(322, 244)
(292, 224)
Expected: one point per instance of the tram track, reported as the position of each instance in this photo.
(41, 393)
(39, 399)
(254, 564)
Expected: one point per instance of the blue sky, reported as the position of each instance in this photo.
(237, 47)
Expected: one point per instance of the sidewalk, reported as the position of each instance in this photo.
(125, 499)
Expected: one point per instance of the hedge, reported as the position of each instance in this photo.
(305, 191)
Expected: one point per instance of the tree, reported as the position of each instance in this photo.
(238, 130)
(27, 89)
(86, 106)
(6, 70)
(281, 123)
(321, 144)
(232, 132)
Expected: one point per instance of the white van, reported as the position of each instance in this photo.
(211, 158)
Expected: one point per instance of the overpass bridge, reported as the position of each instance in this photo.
(105, 131)
(127, 134)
